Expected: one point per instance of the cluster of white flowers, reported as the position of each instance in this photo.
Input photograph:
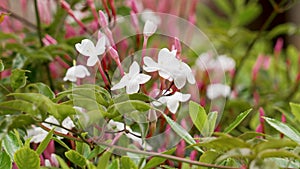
(220, 64)
(37, 134)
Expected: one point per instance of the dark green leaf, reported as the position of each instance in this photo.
(20, 106)
(43, 145)
(62, 163)
(285, 129)
(76, 158)
(237, 121)
(26, 158)
(5, 161)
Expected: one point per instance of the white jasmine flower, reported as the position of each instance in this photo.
(148, 14)
(87, 48)
(149, 28)
(217, 90)
(38, 134)
(74, 72)
(226, 62)
(170, 68)
(172, 101)
(132, 80)
(206, 62)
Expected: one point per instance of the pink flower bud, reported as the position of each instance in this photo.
(113, 53)
(65, 5)
(134, 6)
(262, 61)
(93, 9)
(103, 19)
(261, 114)
(177, 46)
(134, 20)
(278, 46)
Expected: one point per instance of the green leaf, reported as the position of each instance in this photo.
(63, 144)
(76, 158)
(20, 121)
(155, 161)
(209, 125)
(225, 6)
(11, 144)
(129, 106)
(285, 129)
(19, 105)
(43, 145)
(277, 153)
(235, 153)
(208, 157)
(19, 61)
(1, 66)
(247, 15)
(198, 115)
(43, 89)
(127, 163)
(26, 158)
(5, 161)
(83, 148)
(18, 78)
(62, 163)
(237, 121)
(104, 160)
(250, 135)
(274, 144)
(115, 164)
(295, 108)
(181, 132)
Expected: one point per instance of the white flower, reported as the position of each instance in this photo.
(148, 14)
(74, 72)
(172, 101)
(38, 134)
(87, 48)
(132, 80)
(149, 28)
(169, 67)
(216, 90)
(206, 61)
(226, 62)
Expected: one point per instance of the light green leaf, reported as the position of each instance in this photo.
(18, 78)
(277, 153)
(11, 144)
(274, 144)
(1, 66)
(181, 132)
(295, 108)
(237, 121)
(43, 145)
(19, 105)
(115, 164)
(208, 157)
(43, 89)
(155, 161)
(62, 163)
(26, 158)
(209, 125)
(104, 160)
(129, 106)
(127, 163)
(198, 115)
(76, 158)
(19, 61)
(225, 6)
(285, 129)
(5, 161)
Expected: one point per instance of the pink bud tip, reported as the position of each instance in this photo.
(103, 20)
(261, 114)
(278, 46)
(65, 5)
(113, 53)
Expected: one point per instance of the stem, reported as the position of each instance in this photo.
(144, 49)
(38, 22)
(247, 53)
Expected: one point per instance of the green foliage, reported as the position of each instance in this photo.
(5, 161)
(43, 145)
(18, 78)
(155, 161)
(26, 158)
(76, 158)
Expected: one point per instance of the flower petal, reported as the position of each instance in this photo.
(123, 82)
(142, 78)
(92, 60)
(173, 105)
(134, 69)
(86, 47)
(179, 81)
(81, 71)
(100, 46)
(132, 88)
